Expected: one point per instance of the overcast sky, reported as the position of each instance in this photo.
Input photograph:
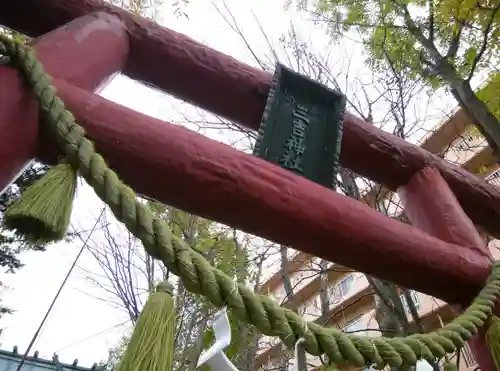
(81, 326)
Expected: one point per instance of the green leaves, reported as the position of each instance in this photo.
(218, 243)
(470, 54)
(356, 14)
(489, 94)
(413, 36)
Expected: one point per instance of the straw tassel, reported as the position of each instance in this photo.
(43, 211)
(151, 346)
(493, 340)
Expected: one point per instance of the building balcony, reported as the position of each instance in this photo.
(351, 308)
(352, 298)
(296, 264)
(493, 178)
(465, 147)
(366, 325)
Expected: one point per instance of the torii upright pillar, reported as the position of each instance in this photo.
(86, 52)
(432, 207)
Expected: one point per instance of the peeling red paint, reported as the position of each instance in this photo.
(432, 207)
(103, 22)
(86, 51)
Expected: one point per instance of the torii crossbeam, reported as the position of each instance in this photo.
(199, 175)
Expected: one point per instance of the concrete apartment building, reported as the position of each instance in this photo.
(351, 300)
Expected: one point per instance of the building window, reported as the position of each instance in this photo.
(414, 297)
(494, 178)
(354, 326)
(390, 205)
(465, 143)
(338, 291)
(467, 356)
(493, 175)
(472, 139)
(346, 284)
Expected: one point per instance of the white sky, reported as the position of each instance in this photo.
(81, 326)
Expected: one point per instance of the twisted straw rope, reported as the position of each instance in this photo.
(200, 277)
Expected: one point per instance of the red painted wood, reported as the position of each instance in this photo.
(85, 52)
(221, 84)
(432, 207)
(88, 51)
(185, 169)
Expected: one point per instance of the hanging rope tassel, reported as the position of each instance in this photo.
(151, 346)
(450, 366)
(493, 340)
(43, 211)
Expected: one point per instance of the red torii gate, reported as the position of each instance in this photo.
(445, 257)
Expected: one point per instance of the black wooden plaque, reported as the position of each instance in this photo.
(301, 127)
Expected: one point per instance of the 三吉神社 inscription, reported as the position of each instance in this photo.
(302, 127)
(295, 145)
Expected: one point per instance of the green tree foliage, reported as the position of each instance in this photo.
(418, 35)
(114, 355)
(489, 94)
(442, 42)
(221, 247)
(11, 243)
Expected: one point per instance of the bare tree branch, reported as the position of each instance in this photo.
(484, 44)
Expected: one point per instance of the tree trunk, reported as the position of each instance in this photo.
(389, 312)
(285, 276)
(477, 110)
(248, 356)
(484, 120)
(197, 349)
(287, 284)
(389, 327)
(324, 297)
